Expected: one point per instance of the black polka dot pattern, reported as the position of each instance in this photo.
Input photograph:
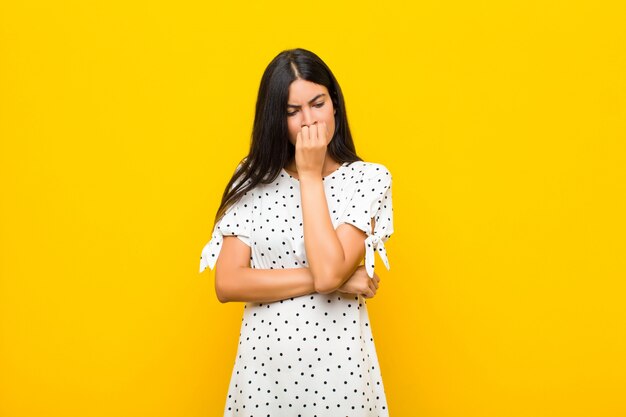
(371, 198)
(312, 355)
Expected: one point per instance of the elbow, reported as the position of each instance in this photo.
(221, 291)
(327, 285)
(324, 289)
(222, 296)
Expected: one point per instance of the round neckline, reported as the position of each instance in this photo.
(323, 178)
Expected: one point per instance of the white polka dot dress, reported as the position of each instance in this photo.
(312, 355)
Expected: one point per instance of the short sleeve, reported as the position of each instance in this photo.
(371, 198)
(235, 222)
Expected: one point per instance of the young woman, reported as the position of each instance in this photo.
(298, 216)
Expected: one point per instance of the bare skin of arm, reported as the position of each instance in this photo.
(236, 281)
(333, 255)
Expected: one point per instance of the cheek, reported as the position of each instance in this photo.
(331, 117)
(331, 123)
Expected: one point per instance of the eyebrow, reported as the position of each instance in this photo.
(310, 101)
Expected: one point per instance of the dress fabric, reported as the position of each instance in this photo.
(312, 355)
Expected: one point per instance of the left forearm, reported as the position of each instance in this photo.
(323, 248)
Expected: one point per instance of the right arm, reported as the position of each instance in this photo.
(236, 281)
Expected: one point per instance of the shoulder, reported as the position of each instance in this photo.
(370, 170)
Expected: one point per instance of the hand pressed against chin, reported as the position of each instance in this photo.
(311, 144)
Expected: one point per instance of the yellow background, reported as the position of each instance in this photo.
(503, 124)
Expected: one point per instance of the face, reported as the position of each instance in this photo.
(309, 103)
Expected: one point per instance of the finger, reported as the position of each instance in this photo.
(305, 134)
(319, 133)
(313, 132)
(372, 286)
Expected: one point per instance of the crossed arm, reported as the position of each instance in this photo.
(333, 256)
(236, 281)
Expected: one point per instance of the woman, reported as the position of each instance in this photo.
(298, 216)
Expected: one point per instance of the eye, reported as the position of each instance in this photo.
(317, 105)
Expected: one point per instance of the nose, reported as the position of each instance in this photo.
(307, 118)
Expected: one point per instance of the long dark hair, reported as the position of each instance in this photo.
(270, 148)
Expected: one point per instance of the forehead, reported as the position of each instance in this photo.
(303, 90)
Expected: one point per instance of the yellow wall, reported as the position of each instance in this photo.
(503, 124)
